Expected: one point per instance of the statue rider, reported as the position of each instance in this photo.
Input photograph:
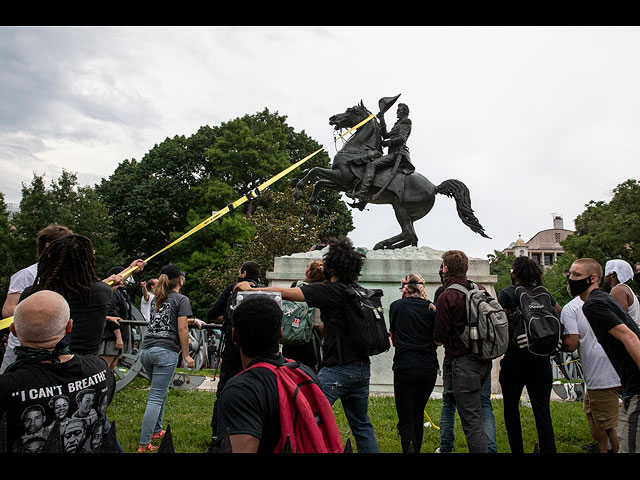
(397, 154)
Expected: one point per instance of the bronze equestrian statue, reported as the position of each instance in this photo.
(362, 172)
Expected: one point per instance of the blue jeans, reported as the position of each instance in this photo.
(160, 364)
(447, 416)
(350, 384)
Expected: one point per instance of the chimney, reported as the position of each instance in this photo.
(557, 222)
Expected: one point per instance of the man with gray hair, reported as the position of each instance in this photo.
(46, 369)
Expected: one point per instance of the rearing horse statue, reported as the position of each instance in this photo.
(412, 196)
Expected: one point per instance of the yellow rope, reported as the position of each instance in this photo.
(6, 322)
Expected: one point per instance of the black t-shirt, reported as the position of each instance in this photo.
(163, 324)
(120, 307)
(230, 351)
(337, 346)
(411, 322)
(604, 313)
(75, 393)
(249, 405)
(89, 318)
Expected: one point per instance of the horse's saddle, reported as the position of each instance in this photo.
(402, 185)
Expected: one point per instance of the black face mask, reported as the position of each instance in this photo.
(441, 273)
(576, 287)
(636, 277)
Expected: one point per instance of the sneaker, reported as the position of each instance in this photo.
(147, 448)
(157, 436)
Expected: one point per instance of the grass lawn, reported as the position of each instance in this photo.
(189, 414)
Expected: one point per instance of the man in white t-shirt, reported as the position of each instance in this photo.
(23, 279)
(602, 396)
(148, 296)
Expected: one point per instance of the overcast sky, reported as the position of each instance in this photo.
(534, 120)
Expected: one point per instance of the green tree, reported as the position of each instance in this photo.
(66, 203)
(7, 247)
(500, 265)
(294, 229)
(183, 180)
(554, 278)
(605, 231)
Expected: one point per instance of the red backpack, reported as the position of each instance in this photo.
(306, 417)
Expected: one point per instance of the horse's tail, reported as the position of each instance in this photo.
(460, 193)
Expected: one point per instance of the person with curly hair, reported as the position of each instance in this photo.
(345, 372)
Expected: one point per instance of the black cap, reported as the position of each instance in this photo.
(171, 271)
(115, 270)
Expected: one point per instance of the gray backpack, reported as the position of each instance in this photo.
(486, 332)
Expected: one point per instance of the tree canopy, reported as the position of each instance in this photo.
(67, 203)
(146, 204)
(183, 180)
(608, 230)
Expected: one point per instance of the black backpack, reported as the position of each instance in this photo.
(367, 325)
(535, 324)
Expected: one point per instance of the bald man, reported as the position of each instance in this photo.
(45, 369)
(619, 337)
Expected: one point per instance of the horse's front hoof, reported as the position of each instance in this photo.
(297, 194)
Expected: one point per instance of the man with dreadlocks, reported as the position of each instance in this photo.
(67, 266)
(24, 278)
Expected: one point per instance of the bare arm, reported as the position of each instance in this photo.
(621, 295)
(294, 294)
(629, 339)
(183, 334)
(145, 292)
(244, 443)
(10, 304)
(570, 342)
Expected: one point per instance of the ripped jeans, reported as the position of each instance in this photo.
(350, 384)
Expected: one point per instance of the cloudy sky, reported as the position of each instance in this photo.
(535, 121)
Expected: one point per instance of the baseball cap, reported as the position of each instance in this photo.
(171, 271)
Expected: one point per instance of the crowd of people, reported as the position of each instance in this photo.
(66, 338)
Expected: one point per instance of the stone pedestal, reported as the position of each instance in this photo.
(384, 269)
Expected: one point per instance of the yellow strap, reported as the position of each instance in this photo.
(4, 323)
(243, 199)
(431, 421)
